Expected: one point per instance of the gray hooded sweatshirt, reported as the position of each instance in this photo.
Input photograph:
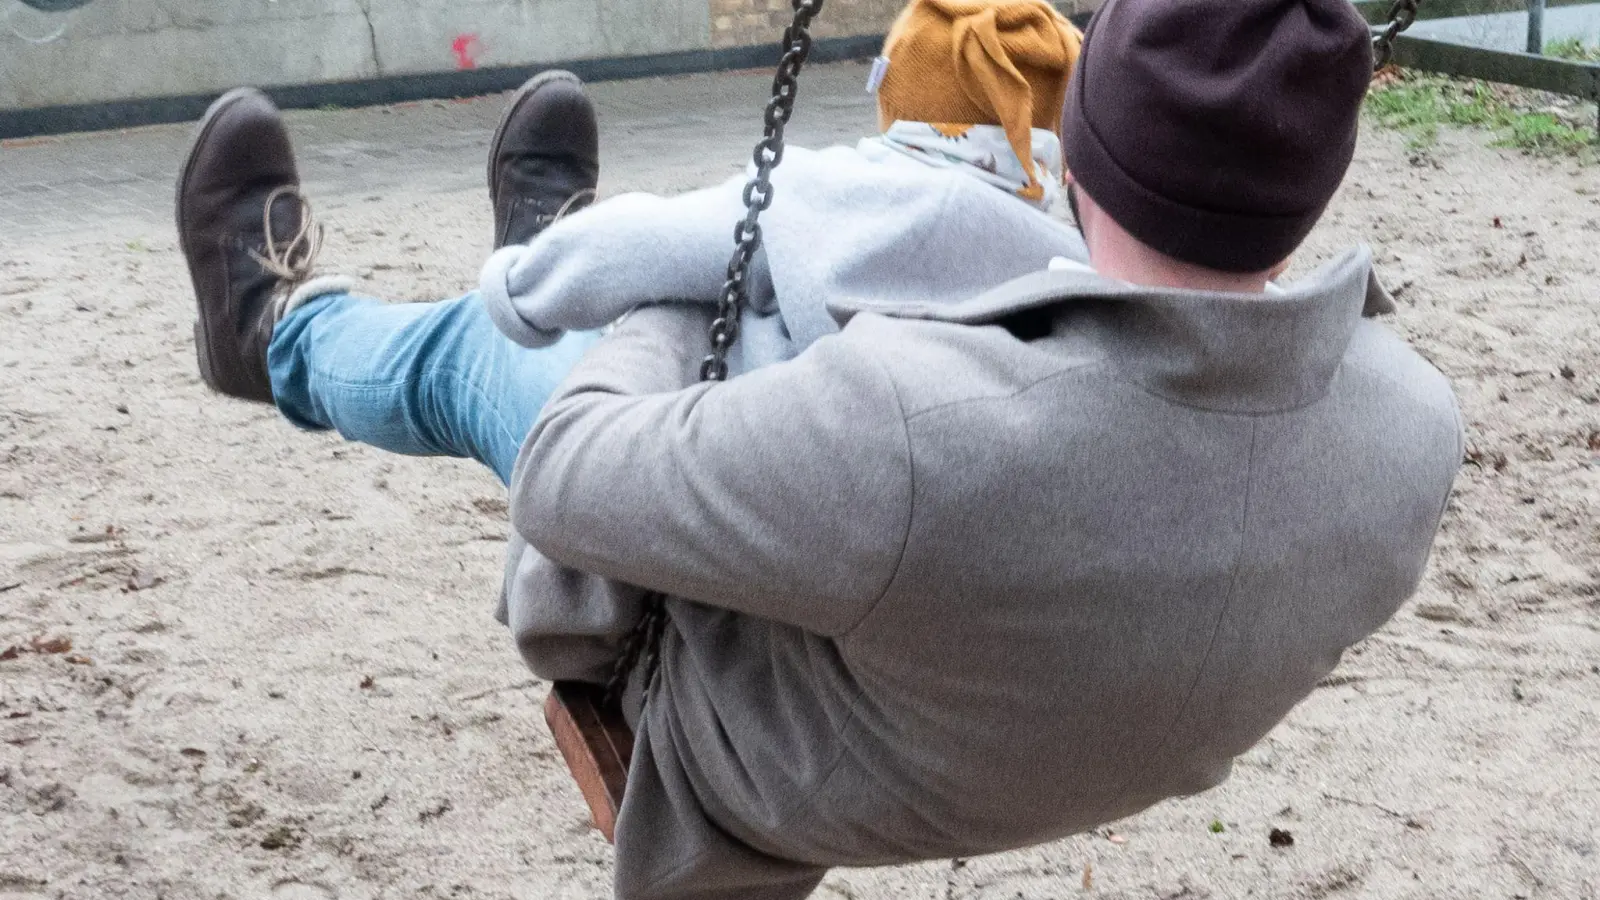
(848, 223)
(974, 575)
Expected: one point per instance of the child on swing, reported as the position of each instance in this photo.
(970, 96)
(950, 200)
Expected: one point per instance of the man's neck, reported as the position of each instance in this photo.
(1135, 266)
(1115, 253)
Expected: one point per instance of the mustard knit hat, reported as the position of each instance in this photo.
(979, 62)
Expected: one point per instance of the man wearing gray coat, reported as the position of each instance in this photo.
(970, 576)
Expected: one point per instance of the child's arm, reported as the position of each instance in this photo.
(587, 270)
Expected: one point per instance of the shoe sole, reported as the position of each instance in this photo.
(523, 93)
(202, 336)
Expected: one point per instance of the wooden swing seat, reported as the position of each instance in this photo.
(597, 745)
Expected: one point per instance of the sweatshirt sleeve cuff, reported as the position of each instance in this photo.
(493, 287)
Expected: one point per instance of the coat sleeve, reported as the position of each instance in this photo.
(585, 271)
(784, 493)
(568, 625)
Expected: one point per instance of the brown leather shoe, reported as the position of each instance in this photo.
(247, 235)
(545, 159)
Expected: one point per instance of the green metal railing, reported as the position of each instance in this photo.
(1531, 69)
(1376, 12)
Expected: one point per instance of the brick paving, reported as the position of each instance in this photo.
(657, 134)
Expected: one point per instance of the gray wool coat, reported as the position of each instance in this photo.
(968, 577)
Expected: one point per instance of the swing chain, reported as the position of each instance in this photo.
(642, 647)
(1401, 16)
(758, 191)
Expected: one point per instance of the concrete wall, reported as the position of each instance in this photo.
(128, 49)
(736, 23)
(131, 50)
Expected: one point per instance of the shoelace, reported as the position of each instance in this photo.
(548, 220)
(292, 261)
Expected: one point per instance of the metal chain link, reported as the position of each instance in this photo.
(758, 191)
(642, 647)
(633, 647)
(1401, 16)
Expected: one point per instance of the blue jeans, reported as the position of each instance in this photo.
(423, 379)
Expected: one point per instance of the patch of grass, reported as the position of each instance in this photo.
(1573, 48)
(1417, 105)
(1544, 133)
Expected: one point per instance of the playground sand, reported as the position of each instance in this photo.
(283, 680)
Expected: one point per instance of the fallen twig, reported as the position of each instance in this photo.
(1407, 819)
(503, 689)
(1517, 863)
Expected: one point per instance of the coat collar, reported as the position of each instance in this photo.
(1247, 353)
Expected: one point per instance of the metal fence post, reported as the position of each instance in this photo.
(1536, 26)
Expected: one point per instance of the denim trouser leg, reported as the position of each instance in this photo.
(423, 379)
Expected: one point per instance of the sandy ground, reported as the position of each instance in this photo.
(284, 682)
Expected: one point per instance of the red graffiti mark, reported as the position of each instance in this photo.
(465, 47)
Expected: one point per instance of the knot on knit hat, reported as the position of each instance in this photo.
(1216, 131)
(979, 62)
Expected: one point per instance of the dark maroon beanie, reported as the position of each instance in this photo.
(1216, 131)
